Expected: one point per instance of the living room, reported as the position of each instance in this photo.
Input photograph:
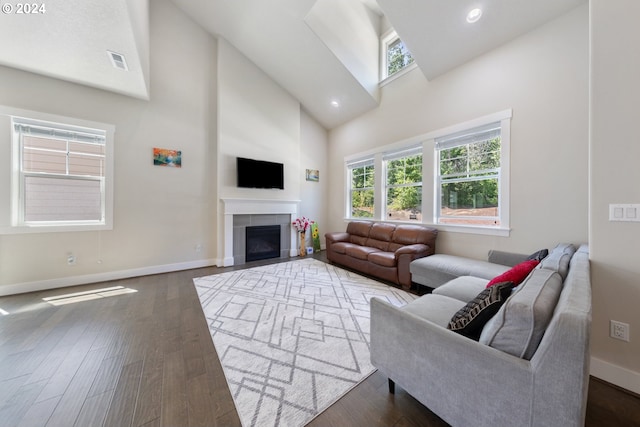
(571, 93)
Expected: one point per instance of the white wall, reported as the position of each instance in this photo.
(314, 155)
(207, 100)
(256, 119)
(615, 246)
(543, 77)
(160, 214)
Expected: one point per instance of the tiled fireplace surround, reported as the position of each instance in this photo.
(241, 213)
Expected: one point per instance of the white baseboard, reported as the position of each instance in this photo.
(616, 375)
(42, 285)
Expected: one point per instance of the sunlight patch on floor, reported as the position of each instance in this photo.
(88, 295)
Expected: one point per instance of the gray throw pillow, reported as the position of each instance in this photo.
(519, 325)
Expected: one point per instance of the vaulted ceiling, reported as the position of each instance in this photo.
(318, 50)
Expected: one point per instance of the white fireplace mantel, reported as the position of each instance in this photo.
(254, 207)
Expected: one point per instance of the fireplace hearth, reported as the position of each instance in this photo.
(262, 242)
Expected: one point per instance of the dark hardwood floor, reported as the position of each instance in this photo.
(146, 359)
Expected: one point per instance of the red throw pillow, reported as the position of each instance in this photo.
(517, 273)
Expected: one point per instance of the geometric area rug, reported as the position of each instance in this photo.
(292, 337)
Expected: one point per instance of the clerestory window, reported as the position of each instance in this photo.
(395, 56)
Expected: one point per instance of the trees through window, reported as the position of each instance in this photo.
(469, 179)
(404, 185)
(456, 177)
(395, 56)
(361, 189)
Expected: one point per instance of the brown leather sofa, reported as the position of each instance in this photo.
(381, 249)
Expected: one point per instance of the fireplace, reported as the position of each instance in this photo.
(242, 213)
(262, 242)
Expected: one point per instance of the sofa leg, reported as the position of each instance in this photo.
(392, 386)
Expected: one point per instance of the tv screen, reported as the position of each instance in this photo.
(260, 174)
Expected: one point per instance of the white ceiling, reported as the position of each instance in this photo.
(70, 40)
(296, 42)
(439, 37)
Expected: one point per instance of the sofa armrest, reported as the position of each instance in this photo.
(405, 255)
(337, 237)
(415, 249)
(506, 258)
(461, 380)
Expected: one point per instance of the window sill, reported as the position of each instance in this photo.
(467, 229)
(471, 229)
(398, 74)
(54, 228)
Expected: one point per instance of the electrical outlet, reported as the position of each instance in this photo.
(619, 330)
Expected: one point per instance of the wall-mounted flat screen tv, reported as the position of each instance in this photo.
(260, 174)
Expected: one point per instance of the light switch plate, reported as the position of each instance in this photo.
(624, 212)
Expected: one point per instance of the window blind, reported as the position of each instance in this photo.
(470, 136)
(405, 152)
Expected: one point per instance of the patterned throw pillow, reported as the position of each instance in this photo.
(516, 274)
(540, 255)
(471, 318)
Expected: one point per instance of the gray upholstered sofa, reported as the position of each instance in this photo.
(530, 365)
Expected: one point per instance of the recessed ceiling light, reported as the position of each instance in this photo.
(474, 15)
(335, 103)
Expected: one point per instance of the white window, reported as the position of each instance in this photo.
(61, 174)
(456, 178)
(469, 177)
(394, 55)
(403, 184)
(361, 178)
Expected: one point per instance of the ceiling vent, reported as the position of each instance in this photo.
(118, 61)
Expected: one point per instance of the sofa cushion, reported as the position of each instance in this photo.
(437, 309)
(520, 323)
(359, 231)
(385, 259)
(471, 318)
(341, 247)
(381, 245)
(463, 288)
(380, 235)
(558, 259)
(436, 270)
(360, 252)
(515, 274)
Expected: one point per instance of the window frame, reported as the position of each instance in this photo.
(430, 188)
(13, 220)
(466, 138)
(386, 40)
(503, 118)
(350, 166)
(406, 152)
